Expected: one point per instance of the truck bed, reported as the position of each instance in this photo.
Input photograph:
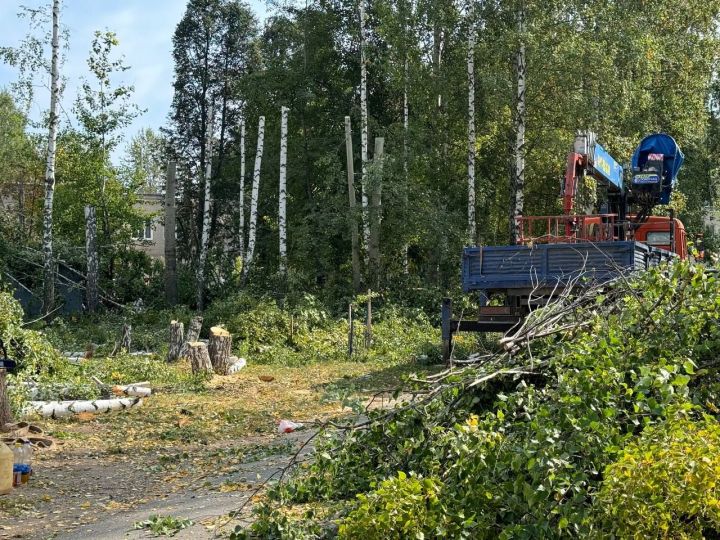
(503, 268)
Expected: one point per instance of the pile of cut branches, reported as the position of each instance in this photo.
(532, 441)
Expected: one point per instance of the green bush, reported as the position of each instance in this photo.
(665, 485)
(400, 507)
(523, 457)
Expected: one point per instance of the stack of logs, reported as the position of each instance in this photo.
(215, 356)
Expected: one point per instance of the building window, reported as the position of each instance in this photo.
(146, 233)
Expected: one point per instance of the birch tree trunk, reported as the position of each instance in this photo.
(472, 227)
(517, 202)
(364, 133)
(170, 251)
(282, 200)
(254, 197)
(376, 210)
(207, 215)
(241, 233)
(91, 254)
(406, 133)
(48, 262)
(354, 235)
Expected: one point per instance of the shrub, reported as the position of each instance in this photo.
(665, 485)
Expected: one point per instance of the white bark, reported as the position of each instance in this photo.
(48, 263)
(131, 390)
(518, 181)
(237, 365)
(254, 197)
(472, 227)
(241, 233)
(205, 237)
(364, 133)
(59, 409)
(91, 254)
(282, 200)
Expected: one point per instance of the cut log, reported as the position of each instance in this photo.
(59, 409)
(176, 341)
(236, 365)
(193, 334)
(197, 352)
(220, 349)
(131, 390)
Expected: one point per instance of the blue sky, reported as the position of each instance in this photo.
(144, 28)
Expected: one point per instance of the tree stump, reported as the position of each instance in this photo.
(193, 334)
(126, 339)
(176, 341)
(220, 350)
(5, 411)
(197, 352)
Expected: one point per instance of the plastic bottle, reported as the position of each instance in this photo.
(18, 456)
(27, 462)
(6, 469)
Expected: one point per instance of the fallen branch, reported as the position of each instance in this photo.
(60, 409)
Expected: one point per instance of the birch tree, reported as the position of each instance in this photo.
(207, 215)
(517, 202)
(472, 228)
(282, 199)
(48, 262)
(254, 198)
(241, 232)
(91, 253)
(364, 132)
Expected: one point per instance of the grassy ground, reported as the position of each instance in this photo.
(184, 439)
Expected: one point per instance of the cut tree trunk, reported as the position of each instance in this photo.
(354, 235)
(236, 364)
(170, 246)
(5, 411)
(194, 328)
(220, 349)
(59, 409)
(176, 341)
(197, 352)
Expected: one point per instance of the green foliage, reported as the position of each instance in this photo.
(665, 485)
(164, 525)
(400, 508)
(524, 458)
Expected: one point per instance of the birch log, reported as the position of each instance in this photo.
(205, 237)
(220, 350)
(254, 197)
(91, 254)
(471, 226)
(364, 134)
(60, 409)
(241, 231)
(176, 341)
(48, 263)
(282, 200)
(517, 202)
(131, 390)
(236, 364)
(197, 352)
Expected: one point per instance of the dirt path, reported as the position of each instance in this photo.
(89, 496)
